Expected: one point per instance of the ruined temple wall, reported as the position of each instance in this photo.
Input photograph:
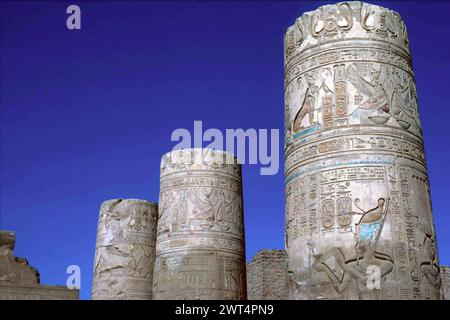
(20, 281)
(125, 250)
(255, 280)
(38, 293)
(357, 188)
(200, 251)
(267, 276)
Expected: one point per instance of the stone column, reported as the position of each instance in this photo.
(445, 275)
(125, 251)
(357, 188)
(200, 250)
(267, 276)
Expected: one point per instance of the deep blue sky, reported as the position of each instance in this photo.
(86, 115)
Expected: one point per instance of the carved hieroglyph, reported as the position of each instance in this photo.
(357, 189)
(200, 240)
(267, 276)
(125, 250)
(20, 281)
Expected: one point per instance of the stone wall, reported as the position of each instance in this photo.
(267, 276)
(445, 275)
(20, 281)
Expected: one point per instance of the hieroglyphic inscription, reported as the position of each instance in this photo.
(357, 192)
(200, 240)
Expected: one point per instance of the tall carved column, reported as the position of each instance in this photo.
(357, 191)
(200, 250)
(125, 250)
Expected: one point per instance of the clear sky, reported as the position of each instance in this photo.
(87, 114)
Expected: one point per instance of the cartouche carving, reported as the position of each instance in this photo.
(125, 250)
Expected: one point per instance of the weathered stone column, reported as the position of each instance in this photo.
(200, 250)
(445, 275)
(125, 251)
(357, 189)
(267, 276)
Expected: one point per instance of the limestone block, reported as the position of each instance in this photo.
(267, 276)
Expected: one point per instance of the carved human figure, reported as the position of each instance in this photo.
(377, 103)
(351, 278)
(377, 21)
(308, 106)
(429, 267)
(361, 270)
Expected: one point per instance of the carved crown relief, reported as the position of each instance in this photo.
(349, 227)
(200, 191)
(15, 271)
(364, 85)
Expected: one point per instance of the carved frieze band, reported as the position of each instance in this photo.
(354, 144)
(336, 23)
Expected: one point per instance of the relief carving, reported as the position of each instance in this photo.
(200, 241)
(125, 250)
